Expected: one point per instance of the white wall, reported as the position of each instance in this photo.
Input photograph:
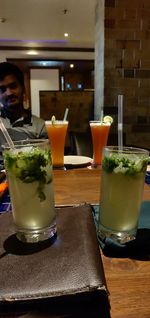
(42, 79)
(2, 58)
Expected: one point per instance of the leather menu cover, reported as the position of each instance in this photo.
(54, 275)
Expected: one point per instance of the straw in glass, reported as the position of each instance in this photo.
(120, 122)
(101, 115)
(6, 135)
(66, 114)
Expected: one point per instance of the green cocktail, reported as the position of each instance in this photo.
(123, 174)
(29, 173)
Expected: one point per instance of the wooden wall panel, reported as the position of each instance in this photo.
(80, 104)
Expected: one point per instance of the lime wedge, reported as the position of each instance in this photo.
(108, 119)
(53, 119)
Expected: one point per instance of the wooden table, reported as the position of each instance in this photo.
(76, 186)
(128, 280)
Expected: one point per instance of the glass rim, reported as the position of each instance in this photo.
(25, 143)
(98, 122)
(126, 149)
(57, 121)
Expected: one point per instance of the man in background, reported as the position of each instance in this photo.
(20, 123)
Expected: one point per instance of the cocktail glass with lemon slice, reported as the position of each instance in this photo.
(57, 130)
(100, 131)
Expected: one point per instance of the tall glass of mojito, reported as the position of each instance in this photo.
(123, 175)
(29, 172)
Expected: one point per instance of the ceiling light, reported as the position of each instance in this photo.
(44, 63)
(66, 35)
(71, 65)
(32, 52)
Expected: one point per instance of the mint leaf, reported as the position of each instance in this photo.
(29, 166)
(125, 163)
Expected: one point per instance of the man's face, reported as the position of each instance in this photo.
(11, 94)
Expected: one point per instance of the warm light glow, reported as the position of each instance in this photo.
(66, 35)
(71, 65)
(32, 52)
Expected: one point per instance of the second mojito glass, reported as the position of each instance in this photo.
(123, 175)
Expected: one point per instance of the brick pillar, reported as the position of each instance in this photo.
(127, 65)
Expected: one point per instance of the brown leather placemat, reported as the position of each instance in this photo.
(65, 272)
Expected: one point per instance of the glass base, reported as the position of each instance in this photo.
(35, 236)
(59, 168)
(96, 166)
(117, 236)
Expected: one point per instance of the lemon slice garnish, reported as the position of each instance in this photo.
(53, 119)
(108, 119)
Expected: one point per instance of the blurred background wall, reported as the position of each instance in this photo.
(127, 65)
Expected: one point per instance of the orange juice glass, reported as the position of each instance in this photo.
(57, 134)
(100, 132)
